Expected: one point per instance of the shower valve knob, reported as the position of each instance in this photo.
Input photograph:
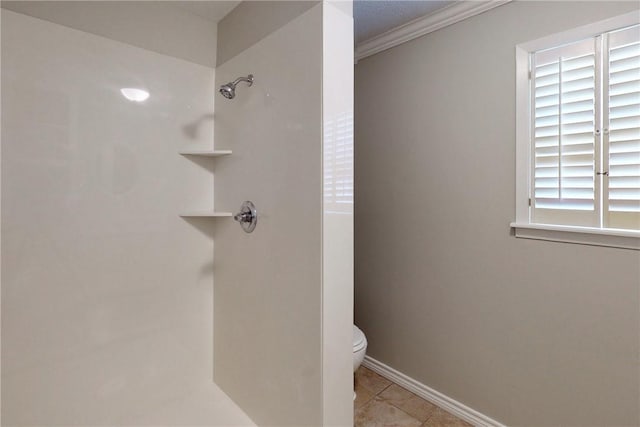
(242, 217)
(247, 217)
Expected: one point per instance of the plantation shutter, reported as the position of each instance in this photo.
(622, 82)
(338, 164)
(564, 145)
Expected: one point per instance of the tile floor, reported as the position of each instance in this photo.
(381, 403)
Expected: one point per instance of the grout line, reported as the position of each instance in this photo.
(445, 403)
(423, 423)
(391, 383)
(381, 391)
(403, 411)
(439, 409)
(364, 405)
(399, 409)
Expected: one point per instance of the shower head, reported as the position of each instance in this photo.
(229, 90)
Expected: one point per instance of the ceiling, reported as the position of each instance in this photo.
(374, 17)
(371, 17)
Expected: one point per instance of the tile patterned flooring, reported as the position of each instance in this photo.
(381, 403)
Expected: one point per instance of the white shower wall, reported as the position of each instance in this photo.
(268, 283)
(284, 293)
(107, 294)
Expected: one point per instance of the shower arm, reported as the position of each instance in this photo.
(248, 79)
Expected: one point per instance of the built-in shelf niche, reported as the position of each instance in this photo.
(206, 213)
(206, 153)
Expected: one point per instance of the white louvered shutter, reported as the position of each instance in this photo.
(564, 145)
(338, 164)
(622, 119)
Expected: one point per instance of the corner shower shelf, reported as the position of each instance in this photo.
(206, 214)
(206, 153)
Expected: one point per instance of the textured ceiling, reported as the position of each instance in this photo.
(374, 17)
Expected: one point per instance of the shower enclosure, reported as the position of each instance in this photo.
(283, 293)
(130, 296)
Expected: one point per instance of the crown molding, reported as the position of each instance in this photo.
(446, 16)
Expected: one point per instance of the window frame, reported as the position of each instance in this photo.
(523, 227)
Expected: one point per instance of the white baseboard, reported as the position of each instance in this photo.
(448, 404)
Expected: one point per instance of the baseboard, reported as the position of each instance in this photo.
(448, 404)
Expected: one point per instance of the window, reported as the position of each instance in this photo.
(338, 164)
(578, 131)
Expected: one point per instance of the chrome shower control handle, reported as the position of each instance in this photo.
(247, 217)
(242, 217)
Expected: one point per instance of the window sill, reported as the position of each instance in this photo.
(579, 235)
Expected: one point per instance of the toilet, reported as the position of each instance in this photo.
(359, 347)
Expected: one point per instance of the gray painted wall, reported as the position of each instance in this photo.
(154, 25)
(527, 332)
(251, 21)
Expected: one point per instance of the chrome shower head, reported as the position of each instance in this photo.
(229, 90)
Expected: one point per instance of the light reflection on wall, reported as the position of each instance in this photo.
(338, 164)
